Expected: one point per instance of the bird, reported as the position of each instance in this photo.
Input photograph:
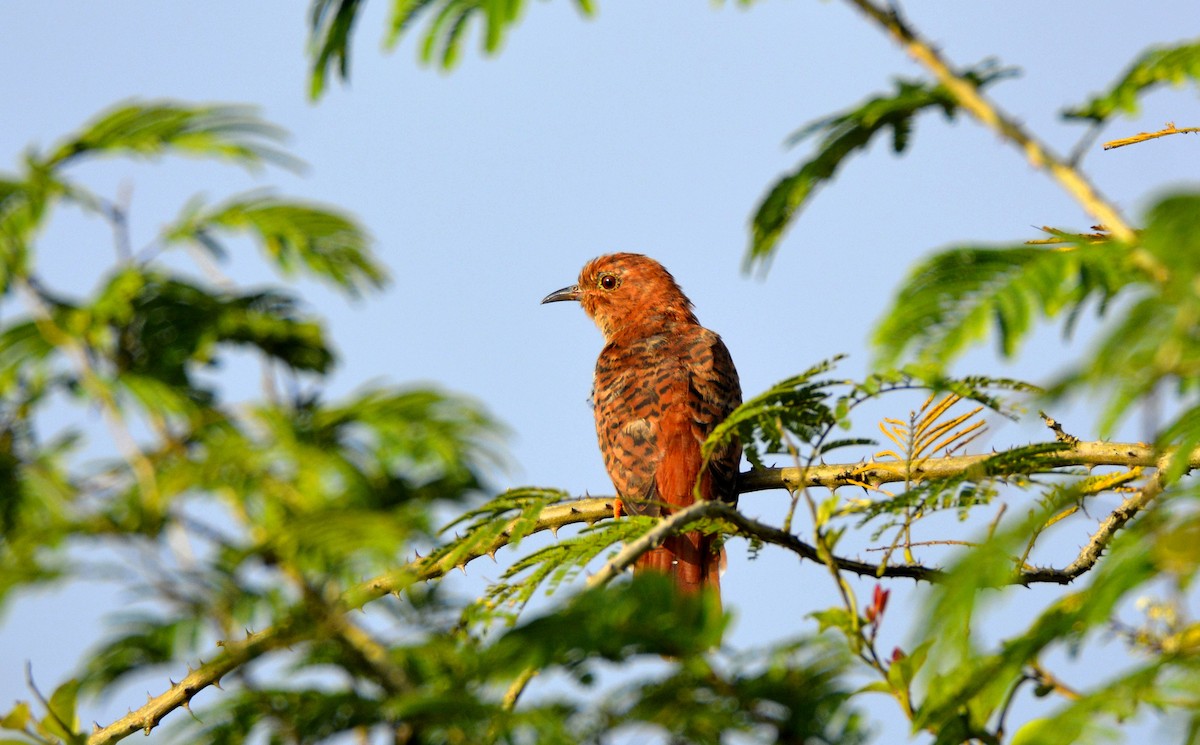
(662, 384)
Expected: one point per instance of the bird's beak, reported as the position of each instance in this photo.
(566, 293)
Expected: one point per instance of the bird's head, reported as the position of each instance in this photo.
(628, 294)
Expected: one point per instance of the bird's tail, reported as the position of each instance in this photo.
(692, 560)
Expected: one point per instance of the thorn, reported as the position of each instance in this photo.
(189, 667)
(554, 530)
(249, 633)
(149, 726)
(574, 511)
(463, 567)
(217, 684)
(492, 554)
(149, 698)
(173, 683)
(96, 727)
(418, 555)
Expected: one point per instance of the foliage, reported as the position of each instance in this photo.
(252, 525)
(844, 134)
(331, 23)
(1172, 65)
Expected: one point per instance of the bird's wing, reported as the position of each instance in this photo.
(656, 401)
(628, 407)
(714, 392)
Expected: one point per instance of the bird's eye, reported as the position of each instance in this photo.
(609, 281)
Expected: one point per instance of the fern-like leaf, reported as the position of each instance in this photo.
(331, 23)
(1172, 65)
(962, 295)
(843, 135)
(796, 407)
(328, 243)
(158, 128)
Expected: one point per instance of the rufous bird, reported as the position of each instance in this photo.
(663, 383)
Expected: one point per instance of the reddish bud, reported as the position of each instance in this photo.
(878, 604)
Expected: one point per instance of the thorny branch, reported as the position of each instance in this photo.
(237, 653)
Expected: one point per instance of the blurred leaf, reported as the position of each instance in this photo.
(1172, 65)
(17, 717)
(158, 128)
(61, 720)
(795, 695)
(1183, 434)
(142, 642)
(159, 328)
(1172, 235)
(841, 136)
(962, 295)
(331, 23)
(646, 616)
(1157, 339)
(294, 234)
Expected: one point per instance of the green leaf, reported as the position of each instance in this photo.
(796, 407)
(142, 642)
(1171, 65)
(61, 720)
(1183, 434)
(1157, 339)
(791, 694)
(331, 23)
(963, 295)
(158, 128)
(17, 717)
(1172, 235)
(843, 135)
(155, 326)
(836, 618)
(323, 240)
(646, 616)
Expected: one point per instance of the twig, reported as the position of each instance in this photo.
(1057, 429)
(42, 699)
(1170, 129)
(672, 525)
(1090, 553)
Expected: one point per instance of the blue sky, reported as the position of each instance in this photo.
(655, 127)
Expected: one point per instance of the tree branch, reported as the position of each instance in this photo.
(992, 116)
(875, 473)
(292, 631)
